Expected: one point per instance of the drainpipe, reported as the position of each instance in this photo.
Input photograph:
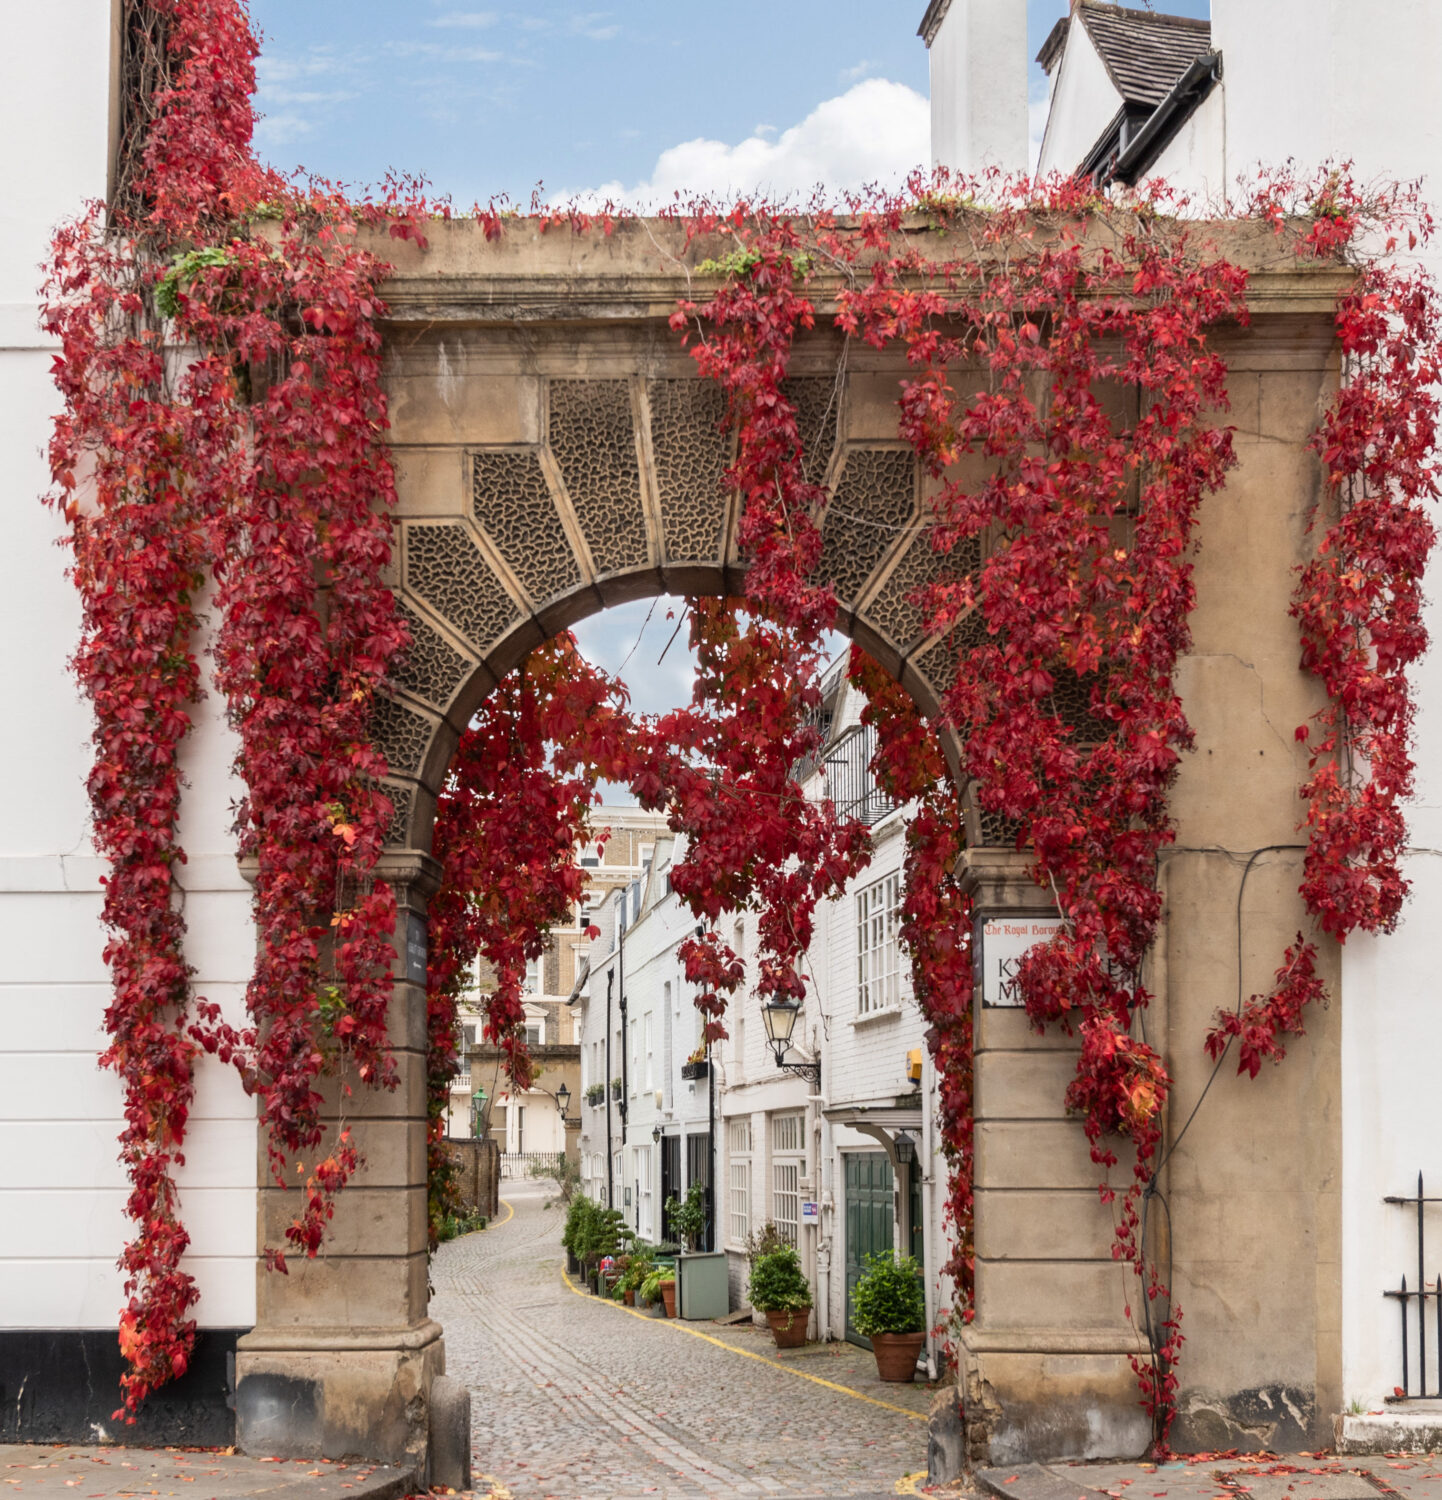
(931, 1280)
(625, 1037)
(610, 1156)
(823, 1229)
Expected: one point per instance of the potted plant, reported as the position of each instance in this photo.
(890, 1310)
(650, 1294)
(778, 1287)
(703, 1287)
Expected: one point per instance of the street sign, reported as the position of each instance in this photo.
(810, 1213)
(1000, 943)
(416, 948)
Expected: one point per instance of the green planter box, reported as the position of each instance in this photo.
(702, 1290)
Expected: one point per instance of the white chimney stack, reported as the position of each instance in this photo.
(978, 56)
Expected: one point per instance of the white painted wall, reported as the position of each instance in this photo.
(1083, 102)
(1196, 159)
(978, 86)
(62, 1192)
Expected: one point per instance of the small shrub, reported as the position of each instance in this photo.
(778, 1284)
(889, 1296)
(452, 1226)
(763, 1241)
(687, 1216)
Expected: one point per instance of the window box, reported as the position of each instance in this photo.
(695, 1069)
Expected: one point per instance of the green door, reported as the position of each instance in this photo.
(870, 1219)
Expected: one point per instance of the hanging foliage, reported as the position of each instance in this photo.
(222, 445)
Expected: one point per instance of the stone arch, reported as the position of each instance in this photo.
(621, 498)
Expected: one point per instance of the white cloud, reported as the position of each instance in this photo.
(877, 131)
(851, 75)
(466, 19)
(442, 52)
(276, 130)
(589, 24)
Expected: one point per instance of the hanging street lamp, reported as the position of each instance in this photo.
(779, 1018)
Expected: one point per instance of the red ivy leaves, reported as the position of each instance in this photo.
(260, 458)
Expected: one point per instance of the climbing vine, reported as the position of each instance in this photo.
(222, 449)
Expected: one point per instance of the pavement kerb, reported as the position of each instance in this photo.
(695, 1333)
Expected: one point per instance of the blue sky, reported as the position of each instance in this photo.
(486, 99)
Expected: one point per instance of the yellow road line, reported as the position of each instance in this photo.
(910, 1484)
(510, 1209)
(771, 1364)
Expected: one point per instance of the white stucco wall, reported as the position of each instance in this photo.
(62, 1192)
(1083, 102)
(1195, 160)
(978, 86)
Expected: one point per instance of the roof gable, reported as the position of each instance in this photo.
(1144, 52)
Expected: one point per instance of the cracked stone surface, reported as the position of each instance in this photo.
(573, 1397)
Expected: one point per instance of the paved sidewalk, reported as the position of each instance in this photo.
(1294, 1476)
(111, 1473)
(574, 1398)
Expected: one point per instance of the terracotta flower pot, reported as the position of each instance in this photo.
(668, 1296)
(788, 1328)
(896, 1355)
(630, 1297)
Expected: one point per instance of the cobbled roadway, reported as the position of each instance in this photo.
(574, 1400)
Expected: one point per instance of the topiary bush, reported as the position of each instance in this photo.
(889, 1297)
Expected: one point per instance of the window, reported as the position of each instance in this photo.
(584, 917)
(878, 953)
(650, 1074)
(739, 1179)
(647, 854)
(788, 1141)
(468, 1037)
(645, 1227)
(668, 1047)
(786, 1197)
(534, 979)
(535, 1031)
(787, 1137)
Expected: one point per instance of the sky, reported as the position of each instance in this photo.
(487, 99)
(632, 102)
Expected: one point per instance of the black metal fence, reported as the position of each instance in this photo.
(1419, 1297)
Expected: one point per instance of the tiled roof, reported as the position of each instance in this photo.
(1145, 52)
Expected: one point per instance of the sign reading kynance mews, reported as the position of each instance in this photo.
(998, 946)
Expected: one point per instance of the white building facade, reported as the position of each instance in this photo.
(62, 1189)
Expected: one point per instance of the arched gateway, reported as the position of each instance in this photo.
(556, 453)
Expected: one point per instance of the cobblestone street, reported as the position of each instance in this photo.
(576, 1399)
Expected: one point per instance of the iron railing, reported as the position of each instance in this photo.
(849, 782)
(1421, 1296)
(516, 1165)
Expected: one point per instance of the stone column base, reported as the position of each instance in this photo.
(338, 1393)
(1029, 1404)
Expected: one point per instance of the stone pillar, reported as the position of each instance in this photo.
(1044, 1366)
(341, 1360)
